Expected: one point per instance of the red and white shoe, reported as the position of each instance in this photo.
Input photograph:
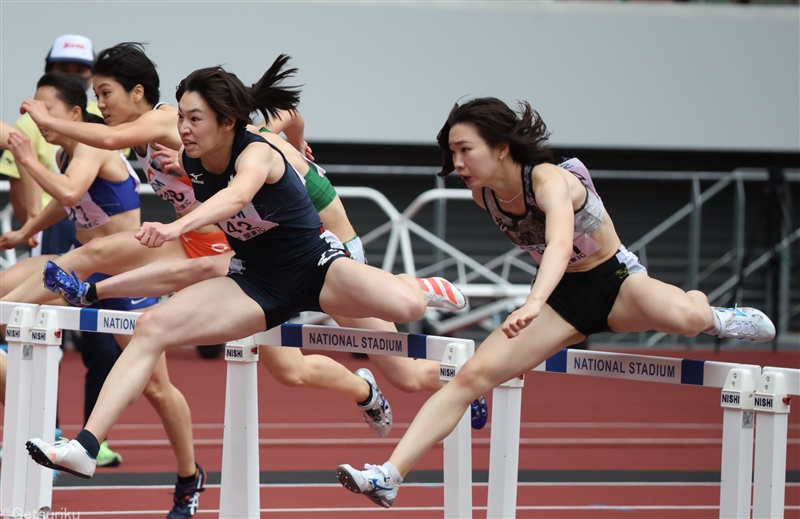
(442, 294)
(64, 455)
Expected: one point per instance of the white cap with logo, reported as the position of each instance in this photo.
(72, 47)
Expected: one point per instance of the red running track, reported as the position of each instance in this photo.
(569, 424)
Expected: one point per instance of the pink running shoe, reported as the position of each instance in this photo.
(442, 294)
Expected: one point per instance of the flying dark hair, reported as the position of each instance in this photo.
(230, 99)
(70, 91)
(129, 66)
(496, 123)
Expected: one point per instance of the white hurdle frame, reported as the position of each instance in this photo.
(33, 333)
(737, 418)
(773, 395)
(239, 495)
(32, 405)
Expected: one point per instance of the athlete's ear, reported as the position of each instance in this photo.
(76, 113)
(138, 93)
(502, 150)
(228, 123)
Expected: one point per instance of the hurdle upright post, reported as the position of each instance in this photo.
(772, 401)
(504, 461)
(239, 492)
(738, 422)
(46, 340)
(457, 445)
(17, 410)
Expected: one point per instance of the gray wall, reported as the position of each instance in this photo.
(602, 74)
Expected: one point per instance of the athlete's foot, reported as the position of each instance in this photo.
(743, 323)
(377, 412)
(442, 294)
(375, 481)
(187, 497)
(64, 455)
(108, 458)
(479, 413)
(68, 285)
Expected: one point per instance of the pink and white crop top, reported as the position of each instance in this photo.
(169, 185)
(527, 232)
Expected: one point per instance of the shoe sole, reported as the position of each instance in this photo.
(42, 459)
(347, 480)
(350, 484)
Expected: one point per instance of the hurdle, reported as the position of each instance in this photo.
(34, 330)
(33, 333)
(239, 493)
(773, 394)
(737, 382)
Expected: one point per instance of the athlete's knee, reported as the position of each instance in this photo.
(152, 329)
(409, 306)
(157, 392)
(472, 379)
(97, 249)
(198, 269)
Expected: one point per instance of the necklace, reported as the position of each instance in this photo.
(508, 201)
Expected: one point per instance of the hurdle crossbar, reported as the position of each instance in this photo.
(737, 417)
(239, 494)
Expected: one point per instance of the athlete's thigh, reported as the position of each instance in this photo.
(367, 323)
(117, 253)
(641, 304)
(499, 359)
(14, 275)
(210, 312)
(357, 290)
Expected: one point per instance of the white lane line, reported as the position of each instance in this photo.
(319, 442)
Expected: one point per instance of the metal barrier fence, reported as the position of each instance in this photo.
(490, 280)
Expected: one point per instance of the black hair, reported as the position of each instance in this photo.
(129, 66)
(230, 99)
(70, 91)
(496, 123)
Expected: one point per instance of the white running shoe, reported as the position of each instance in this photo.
(377, 413)
(374, 482)
(744, 323)
(442, 294)
(66, 455)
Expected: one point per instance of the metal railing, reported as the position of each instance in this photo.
(491, 280)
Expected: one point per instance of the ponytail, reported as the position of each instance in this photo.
(268, 98)
(230, 99)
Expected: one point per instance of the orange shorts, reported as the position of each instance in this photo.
(198, 244)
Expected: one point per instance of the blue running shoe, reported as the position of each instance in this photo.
(69, 287)
(187, 497)
(479, 413)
